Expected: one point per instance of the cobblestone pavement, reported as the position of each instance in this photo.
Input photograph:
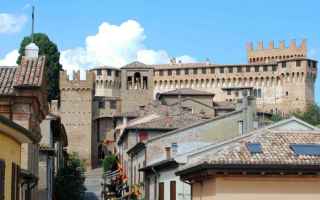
(93, 184)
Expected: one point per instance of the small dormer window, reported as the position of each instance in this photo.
(254, 148)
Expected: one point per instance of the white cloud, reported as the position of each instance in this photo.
(10, 58)
(115, 45)
(10, 23)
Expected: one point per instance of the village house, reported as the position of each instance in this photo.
(280, 161)
(160, 153)
(12, 136)
(23, 100)
(161, 119)
(52, 154)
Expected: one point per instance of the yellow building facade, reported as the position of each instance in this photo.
(11, 137)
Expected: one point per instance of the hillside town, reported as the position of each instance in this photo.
(174, 131)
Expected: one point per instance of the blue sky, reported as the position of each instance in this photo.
(194, 30)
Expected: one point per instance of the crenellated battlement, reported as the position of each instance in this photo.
(76, 82)
(262, 54)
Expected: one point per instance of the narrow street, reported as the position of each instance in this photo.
(93, 184)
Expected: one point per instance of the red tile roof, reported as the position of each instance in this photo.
(28, 74)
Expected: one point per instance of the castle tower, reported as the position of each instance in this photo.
(261, 54)
(137, 85)
(76, 114)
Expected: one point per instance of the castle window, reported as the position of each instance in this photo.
(102, 104)
(247, 69)
(256, 68)
(178, 72)
(137, 80)
(298, 63)
(109, 72)
(204, 70)
(239, 69)
(230, 69)
(113, 104)
(169, 72)
(186, 71)
(117, 73)
(212, 70)
(265, 68)
(274, 68)
(161, 72)
(221, 70)
(236, 93)
(129, 82)
(195, 71)
(99, 72)
(284, 64)
(145, 82)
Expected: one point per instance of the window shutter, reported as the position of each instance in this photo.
(161, 191)
(2, 179)
(18, 182)
(13, 181)
(172, 190)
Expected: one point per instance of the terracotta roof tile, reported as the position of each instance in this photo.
(29, 73)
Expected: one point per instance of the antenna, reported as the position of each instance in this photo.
(32, 29)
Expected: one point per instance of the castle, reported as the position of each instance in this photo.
(281, 78)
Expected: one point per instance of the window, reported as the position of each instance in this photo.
(178, 72)
(265, 68)
(161, 72)
(161, 191)
(274, 68)
(306, 149)
(102, 104)
(228, 92)
(309, 63)
(117, 73)
(204, 70)
(230, 69)
(109, 72)
(298, 63)
(212, 70)
(256, 68)
(239, 69)
(99, 72)
(247, 69)
(15, 182)
(221, 70)
(195, 71)
(257, 92)
(113, 104)
(186, 71)
(2, 178)
(173, 190)
(169, 72)
(254, 148)
(287, 93)
(284, 64)
(236, 93)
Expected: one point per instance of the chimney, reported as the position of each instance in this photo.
(174, 149)
(167, 152)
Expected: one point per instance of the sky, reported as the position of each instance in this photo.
(105, 32)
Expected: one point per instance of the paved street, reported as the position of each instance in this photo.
(93, 184)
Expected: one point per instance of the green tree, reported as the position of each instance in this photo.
(50, 50)
(69, 182)
(311, 116)
(109, 163)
